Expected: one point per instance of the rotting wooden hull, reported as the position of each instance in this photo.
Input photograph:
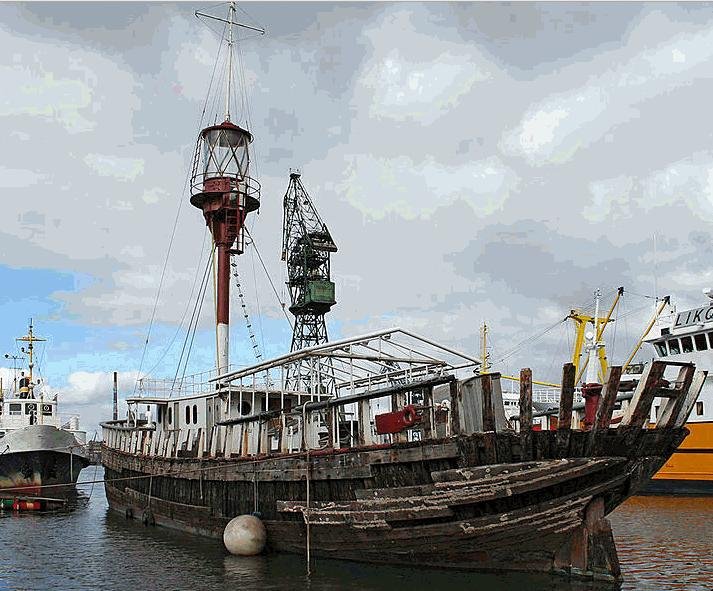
(467, 502)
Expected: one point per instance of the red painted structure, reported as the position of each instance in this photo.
(223, 190)
(591, 394)
(397, 421)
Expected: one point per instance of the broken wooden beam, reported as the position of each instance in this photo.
(606, 405)
(526, 413)
(564, 421)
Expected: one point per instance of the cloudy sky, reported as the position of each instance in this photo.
(474, 162)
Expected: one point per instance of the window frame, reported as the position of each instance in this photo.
(700, 336)
(684, 340)
(678, 346)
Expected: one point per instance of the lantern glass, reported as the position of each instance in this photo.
(225, 152)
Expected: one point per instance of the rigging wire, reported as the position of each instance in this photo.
(528, 340)
(274, 290)
(188, 305)
(246, 315)
(257, 300)
(173, 231)
(194, 319)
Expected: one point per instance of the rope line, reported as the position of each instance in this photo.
(173, 232)
(246, 315)
(177, 473)
(274, 290)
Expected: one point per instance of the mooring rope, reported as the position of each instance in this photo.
(305, 513)
(177, 473)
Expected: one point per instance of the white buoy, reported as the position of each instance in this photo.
(245, 535)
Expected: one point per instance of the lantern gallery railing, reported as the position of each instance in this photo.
(246, 188)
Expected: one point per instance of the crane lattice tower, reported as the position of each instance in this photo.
(306, 248)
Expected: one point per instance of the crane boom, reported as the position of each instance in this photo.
(306, 248)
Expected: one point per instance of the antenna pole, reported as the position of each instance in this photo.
(229, 81)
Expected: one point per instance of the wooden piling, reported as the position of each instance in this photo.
(675, 404)
(640, 407)
(606, 406)
(564, 420)
(488, 411)
(526, 413)
(455, 394)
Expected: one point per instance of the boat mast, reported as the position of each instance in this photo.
(593, 343)
(222, 188)
(30, 339)
(485, 361)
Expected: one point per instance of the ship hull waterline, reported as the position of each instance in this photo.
(34, 471)
(469, 502)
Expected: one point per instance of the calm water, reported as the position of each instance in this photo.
(664, 543)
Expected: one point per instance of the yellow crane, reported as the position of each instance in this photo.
(582, 321)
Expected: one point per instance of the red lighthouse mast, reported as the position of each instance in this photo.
(222, 188)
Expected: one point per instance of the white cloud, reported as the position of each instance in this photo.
(593, 98)
(379, 186)
(422, 81)
(610, 198)
(14, 178)
(122, 168)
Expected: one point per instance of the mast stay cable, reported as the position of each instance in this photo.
(173, 231)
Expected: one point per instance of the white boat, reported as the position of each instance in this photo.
(36, 447)
(687, 336)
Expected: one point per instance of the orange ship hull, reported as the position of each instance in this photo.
(690, 469)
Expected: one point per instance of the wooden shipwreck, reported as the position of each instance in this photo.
(386, 447)
(409, 460)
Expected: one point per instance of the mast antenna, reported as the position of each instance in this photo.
(231, 22)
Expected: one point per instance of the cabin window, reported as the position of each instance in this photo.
(158, 414)
(710, 340)
(660, 347)
(188, 414)
(47, 410)
(195, 414)
(701, 344)
(687, 344)
(699, 408)
(657, 410)
(674, 347)
(15, 409)
(30, 408)
(169, 414)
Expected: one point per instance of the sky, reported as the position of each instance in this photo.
(475, 162)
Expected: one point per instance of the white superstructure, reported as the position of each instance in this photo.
(687, 336)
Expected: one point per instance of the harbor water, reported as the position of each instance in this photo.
(664, 543)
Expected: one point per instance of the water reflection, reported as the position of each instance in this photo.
(664, 543)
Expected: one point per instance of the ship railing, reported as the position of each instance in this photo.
(430, 407)
(189, 385)
(317, 423)
(353, 365)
